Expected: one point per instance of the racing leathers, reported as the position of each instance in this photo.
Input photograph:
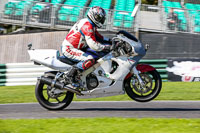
(83, 34)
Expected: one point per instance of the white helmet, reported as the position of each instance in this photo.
(97, 15)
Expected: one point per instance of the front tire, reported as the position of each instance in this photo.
(50, 102)
(153, 85)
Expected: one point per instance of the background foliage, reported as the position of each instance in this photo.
(150, 2)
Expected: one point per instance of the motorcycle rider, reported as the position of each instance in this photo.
(84, 34)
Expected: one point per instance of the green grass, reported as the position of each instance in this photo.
(170, 91)
(100, 125)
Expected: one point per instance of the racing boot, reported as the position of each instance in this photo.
(72, 75)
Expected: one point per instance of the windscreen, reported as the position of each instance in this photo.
(128, 35)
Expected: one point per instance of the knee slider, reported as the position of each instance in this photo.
(88, 63)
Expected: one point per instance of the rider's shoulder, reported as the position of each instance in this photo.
(84, 20)
(86, 24)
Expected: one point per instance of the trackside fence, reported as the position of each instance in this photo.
(62, 16)
(13, 74)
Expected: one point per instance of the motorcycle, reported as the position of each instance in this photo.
(117, 72)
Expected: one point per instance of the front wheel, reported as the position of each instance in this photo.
(151, 89)
(52, 98)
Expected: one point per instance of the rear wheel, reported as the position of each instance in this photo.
(52, 98)
(151, 89)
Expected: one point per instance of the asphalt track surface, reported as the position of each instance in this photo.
(154, 109)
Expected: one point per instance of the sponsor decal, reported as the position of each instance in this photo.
(106, 75)
(72, 52)
(131, 60)
(187, 70)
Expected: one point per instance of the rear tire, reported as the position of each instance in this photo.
(52, 103)
(153, 85)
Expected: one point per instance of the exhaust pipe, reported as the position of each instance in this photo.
(53, 83)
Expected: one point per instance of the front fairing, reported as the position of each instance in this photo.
(137, 46)
(124, 66)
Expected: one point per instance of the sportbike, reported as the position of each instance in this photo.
(116, 72)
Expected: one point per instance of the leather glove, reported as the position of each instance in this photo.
(107, 48)
(108, 41)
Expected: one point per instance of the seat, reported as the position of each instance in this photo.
(9, 8)
(127, 24)
(8, 12)
(62, 17)
(122, 19)
(73, 18)
(64, 59)
(117, 23)
(197, 29)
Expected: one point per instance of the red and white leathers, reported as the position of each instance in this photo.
(83, 33)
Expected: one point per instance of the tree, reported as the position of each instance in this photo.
(150, 2)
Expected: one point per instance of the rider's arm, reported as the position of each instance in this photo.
(90, 38)
(102, 39)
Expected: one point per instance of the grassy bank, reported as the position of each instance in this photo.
(170, 91)
(100, 125)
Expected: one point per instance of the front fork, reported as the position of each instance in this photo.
(136, 72)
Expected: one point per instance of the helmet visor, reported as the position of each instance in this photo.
(100, 18)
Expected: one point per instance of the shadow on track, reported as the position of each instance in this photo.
(134, 109)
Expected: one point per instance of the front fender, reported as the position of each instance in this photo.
(142, 68)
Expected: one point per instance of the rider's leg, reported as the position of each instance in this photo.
(81, 66)
(84, 65)
(85, 60)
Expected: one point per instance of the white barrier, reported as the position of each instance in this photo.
(21, 74)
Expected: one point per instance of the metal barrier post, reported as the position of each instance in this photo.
(81, 15)
(1, 15)
(191, 24)
(24, 20)
(53, 16)
(108, 21)
(137, 20)
(163, 19)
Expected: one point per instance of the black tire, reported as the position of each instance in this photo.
(52, 103)
(153, 85)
